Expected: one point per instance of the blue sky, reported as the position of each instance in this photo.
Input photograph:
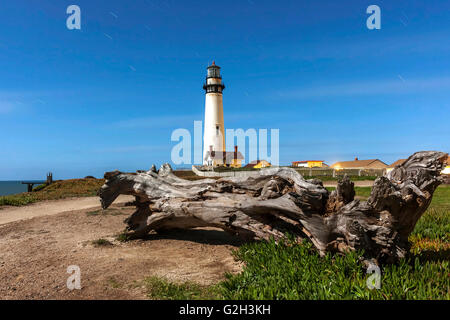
(108, 96)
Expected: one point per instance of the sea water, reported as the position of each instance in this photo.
(12, 187)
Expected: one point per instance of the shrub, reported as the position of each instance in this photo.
(17, 199)
(39, 187)
(101, 242)
(123, 237)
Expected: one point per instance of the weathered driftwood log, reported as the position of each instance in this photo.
(274, 201)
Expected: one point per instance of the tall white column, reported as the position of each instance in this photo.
(214, 133)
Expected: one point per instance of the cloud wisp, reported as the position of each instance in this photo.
(380, 87)
(127, 149)
(165, 121)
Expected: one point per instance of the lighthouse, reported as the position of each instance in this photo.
(214, 131)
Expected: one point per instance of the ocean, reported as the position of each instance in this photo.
(12, 187)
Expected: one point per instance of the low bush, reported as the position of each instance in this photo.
(101, 242)
(17, 199)
(40, 187)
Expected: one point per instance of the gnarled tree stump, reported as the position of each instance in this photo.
(274, 201)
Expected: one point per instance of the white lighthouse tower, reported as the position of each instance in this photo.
(214, 133)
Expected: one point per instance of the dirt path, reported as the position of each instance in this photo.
(365, 183)
(36, 251)
(45, 208)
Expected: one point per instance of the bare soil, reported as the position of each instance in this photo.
(50, 207)
(363, 183)
(35, 254)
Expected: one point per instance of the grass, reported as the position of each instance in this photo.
(287, 271)
(101, 242)
(361, 193)
(57, 190)
(123, 237)
(441, 198)
(40, 187)
(431, 235)
(109, 211)
(162, 289)
(20, 199)
(434, 224)
(113, 283)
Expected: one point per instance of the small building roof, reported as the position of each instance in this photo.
(396, 163)
(254, 163)
(356, 163)
(250, 165)
(306, 161)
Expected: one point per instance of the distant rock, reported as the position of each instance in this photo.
(90, 177)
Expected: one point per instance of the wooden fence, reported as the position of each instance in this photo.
(306, 172)
(330, 172)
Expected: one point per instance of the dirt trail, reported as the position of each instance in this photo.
(50, 207)
(36, 251)
(365, 183)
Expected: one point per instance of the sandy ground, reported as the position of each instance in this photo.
(38, 243)
(45, 208)
(365, 183)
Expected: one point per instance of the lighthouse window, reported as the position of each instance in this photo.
(217, 130)
(213, 73)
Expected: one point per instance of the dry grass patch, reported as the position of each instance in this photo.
(57, 190)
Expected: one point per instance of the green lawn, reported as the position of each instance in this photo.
(288, 271)
(362, 193)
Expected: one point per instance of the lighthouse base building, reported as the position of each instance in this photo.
(223, 158)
